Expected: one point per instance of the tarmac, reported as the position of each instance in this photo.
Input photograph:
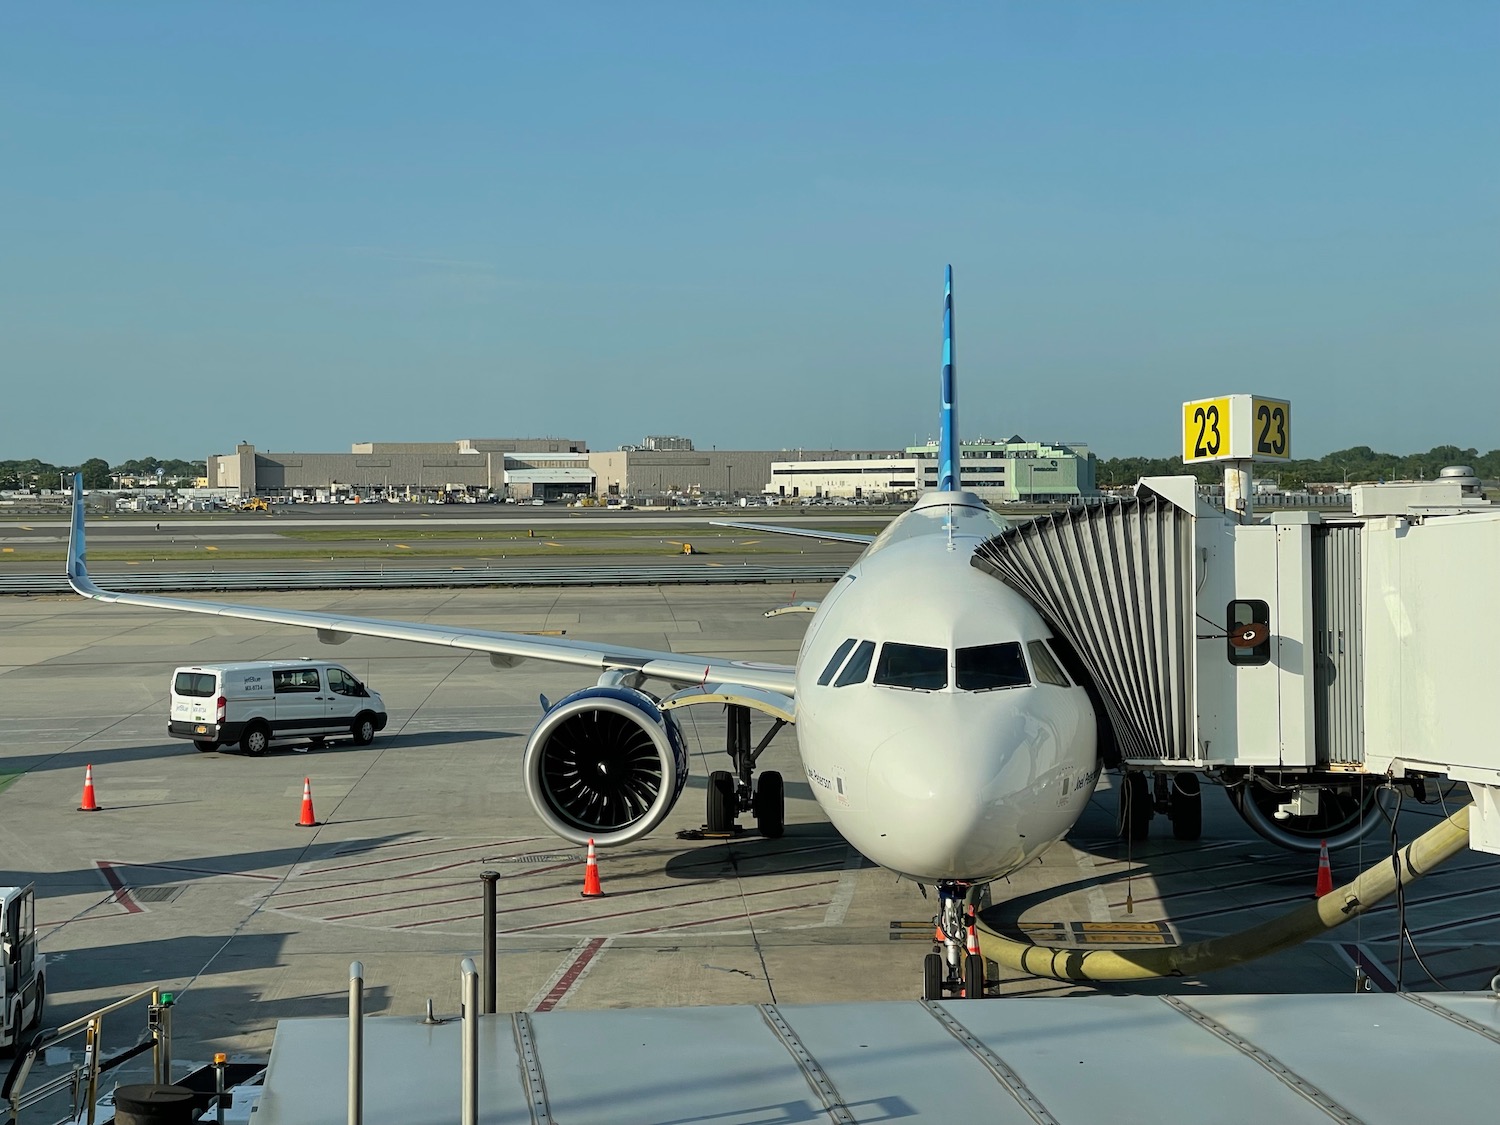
(194, 877)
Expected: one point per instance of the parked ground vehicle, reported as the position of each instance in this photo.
(256, 703)
(23, 971)
(255, 504)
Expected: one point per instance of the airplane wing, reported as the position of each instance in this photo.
(805, 532)
(505, 649)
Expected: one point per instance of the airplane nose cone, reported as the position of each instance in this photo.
(945, 808)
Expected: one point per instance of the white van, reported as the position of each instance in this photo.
(256, 703)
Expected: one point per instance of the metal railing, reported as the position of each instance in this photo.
(395, 578)
(82, 1079)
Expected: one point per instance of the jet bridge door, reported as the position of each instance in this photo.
(1338, 645)
(1117, 582)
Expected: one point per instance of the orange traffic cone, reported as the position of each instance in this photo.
(1325, 872)
(89, 804)
(973, 936)
(591, 888)
(307, 820)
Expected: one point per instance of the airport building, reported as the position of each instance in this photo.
(558, 468)
(1013, 471)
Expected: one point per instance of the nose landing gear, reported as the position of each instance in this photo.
(955, 967)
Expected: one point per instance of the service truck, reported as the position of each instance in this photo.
(23, 987)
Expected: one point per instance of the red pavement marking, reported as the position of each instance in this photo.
(413, 890)
(418, 905)
(198, 870)
(117, 884)
(565, 982)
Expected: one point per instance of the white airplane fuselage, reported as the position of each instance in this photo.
(945, 784)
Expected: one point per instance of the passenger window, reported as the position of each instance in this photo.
(986, 667)
(858, 668)
(341, 682)
(1045, 667)
(292, 680)
(912, 666)
(838, 659)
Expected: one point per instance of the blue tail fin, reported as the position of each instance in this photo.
(948, 451)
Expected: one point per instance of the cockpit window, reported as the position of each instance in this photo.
(858, 668)
(912, 666)
(1044, 665)
(986, 667)
(838, 659)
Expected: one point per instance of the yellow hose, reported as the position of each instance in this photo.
(1419, 857)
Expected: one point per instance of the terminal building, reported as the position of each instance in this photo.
(661, 467)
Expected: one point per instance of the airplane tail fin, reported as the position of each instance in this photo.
(948, 450)
(78, 571)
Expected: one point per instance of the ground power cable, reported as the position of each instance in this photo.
(1375, 884)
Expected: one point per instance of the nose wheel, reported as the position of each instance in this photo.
(731, 792)
(955, 969)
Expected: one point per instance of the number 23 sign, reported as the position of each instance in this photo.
(1237, 428)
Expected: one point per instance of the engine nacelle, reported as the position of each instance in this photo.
(1347, 808)
(605, 763)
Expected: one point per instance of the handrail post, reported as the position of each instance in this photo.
(93, 1045)
(490, 879)
(356, 1043)
(469, 1101)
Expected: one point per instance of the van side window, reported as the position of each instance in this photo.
(341, 682)
(289, 680)
(198, 685)
(858, 668)
(838, 659)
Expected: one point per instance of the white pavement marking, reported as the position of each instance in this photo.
(843, 894)
(1097, 899)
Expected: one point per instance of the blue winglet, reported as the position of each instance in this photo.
(948, 450)
(78, 571)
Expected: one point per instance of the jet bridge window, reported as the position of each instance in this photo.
(858, 668)
(987, 667)
(292, 680)
(1249, 641)
(1043, 664)
(834, 664)
(912, 666)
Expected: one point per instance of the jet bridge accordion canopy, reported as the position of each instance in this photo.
(1116, 582)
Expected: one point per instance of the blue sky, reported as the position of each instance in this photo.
(305, 225)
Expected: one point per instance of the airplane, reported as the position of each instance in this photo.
(937, 727)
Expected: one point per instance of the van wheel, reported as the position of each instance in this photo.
(363, 730)
(256, 740)
(206, 745)
(316, 740)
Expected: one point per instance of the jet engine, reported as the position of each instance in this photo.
(1298, 812)
(605, 763)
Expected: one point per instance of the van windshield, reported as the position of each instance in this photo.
(199, 685)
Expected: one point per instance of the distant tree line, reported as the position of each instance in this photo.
(1355, 465)
(34, 474)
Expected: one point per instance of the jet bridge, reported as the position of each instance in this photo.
(1302, 661)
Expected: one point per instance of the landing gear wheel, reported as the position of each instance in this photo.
(932, 977)
(770, 805)
(1186, 809)
(205, 745)
(256, 740)
(363, 730)
(1134, 821)
(721, 808)
(974, 976)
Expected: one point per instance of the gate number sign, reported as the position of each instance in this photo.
(1236, 428)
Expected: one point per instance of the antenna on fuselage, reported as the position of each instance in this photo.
(948, 451)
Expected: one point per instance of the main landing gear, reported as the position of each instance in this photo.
(1178, 794)
(955, 967)
(731, 793)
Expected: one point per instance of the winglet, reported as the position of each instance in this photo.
(78, 571)
(948, 449)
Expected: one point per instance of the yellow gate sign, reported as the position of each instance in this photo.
(1236, 428)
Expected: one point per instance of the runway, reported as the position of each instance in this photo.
(193, 876)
